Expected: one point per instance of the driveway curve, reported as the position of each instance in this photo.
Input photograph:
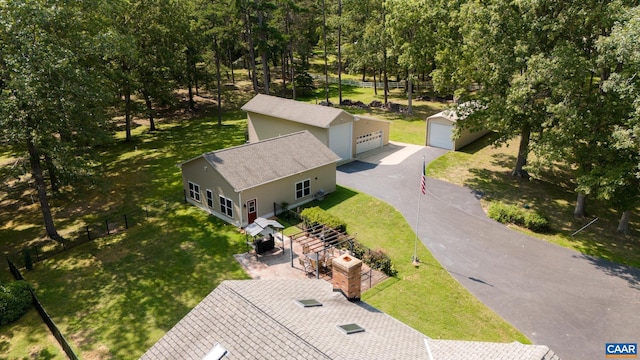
(557, 297)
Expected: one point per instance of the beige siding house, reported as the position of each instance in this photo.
(345, 134)
(441, 128)
(241, 183)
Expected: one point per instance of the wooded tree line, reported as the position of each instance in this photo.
(561, 75)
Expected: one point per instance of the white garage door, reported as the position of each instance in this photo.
(340, 140)
(440, 135)
(368, 141)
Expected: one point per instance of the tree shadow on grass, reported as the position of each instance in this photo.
(330, 200)
(480, 144)
(124, 293)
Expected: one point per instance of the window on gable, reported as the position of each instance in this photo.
(209, 198)
(303, 188)
(226, 206)
(194, 191)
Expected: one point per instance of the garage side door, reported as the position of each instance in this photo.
(340, 140)
(440, 136)
(368, 141)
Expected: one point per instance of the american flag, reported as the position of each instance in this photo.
(423, 179)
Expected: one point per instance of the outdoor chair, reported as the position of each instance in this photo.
(314, 264)
(306, 265)
(328, 262)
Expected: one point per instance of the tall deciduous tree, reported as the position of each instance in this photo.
(52, 92)
(582, 113)
(498, 45)
(620, 52)
(412, 30)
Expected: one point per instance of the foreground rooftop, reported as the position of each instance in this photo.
(264, 319)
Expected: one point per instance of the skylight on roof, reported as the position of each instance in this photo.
(216, 353)
(308, 303)
(351, 328)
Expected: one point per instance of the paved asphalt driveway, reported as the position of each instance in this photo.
(557, 297)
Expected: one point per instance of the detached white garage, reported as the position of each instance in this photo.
(441, 128)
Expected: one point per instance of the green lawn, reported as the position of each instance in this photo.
(29, 338)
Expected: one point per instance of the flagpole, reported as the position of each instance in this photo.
(415, 242)
(423, 180)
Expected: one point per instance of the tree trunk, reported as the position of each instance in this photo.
(127, 112)
(195, 78)
(219, 85)
(364, 73)
(147, 101)
(375, 83)
(324, 40)
(410, 95)
(386, 79)
(265, 72)
(384, 59)
(53, 178)
(340, 52)
(192, 103)
(523, 152)
(36, 171)
(252, 53)
(293, 75)
(263, 54)
(579, 210)
(233, 76)
(284, 73)
(623, 225)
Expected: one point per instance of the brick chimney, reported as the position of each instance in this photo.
(347, 276)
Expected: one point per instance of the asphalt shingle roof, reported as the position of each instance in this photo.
(249, 165)
(260, 319)
(316, 115)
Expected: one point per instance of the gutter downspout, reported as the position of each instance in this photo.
(240, 206)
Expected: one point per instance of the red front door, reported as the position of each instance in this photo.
(252, 211)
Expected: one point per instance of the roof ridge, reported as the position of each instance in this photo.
(255, 143)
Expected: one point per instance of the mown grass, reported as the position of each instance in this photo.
(29, 338)
(549, 192)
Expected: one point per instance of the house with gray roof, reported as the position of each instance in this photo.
(307, 319)
(242, 183)
(345, 134)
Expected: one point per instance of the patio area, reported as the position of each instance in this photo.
(283, 262)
